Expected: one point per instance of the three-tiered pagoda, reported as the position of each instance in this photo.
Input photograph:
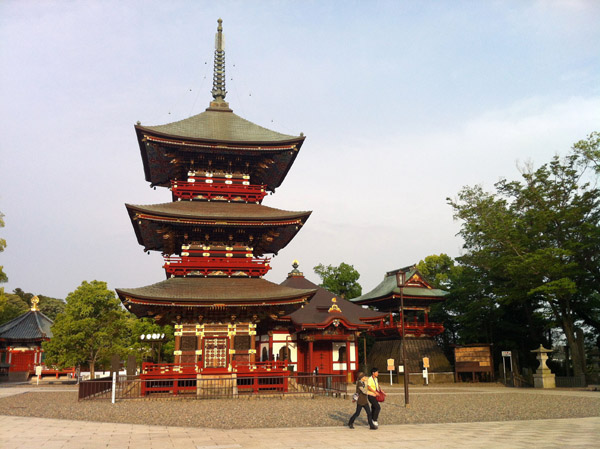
(215, 235)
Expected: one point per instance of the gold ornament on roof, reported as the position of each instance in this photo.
(34, 304)
(334, 307)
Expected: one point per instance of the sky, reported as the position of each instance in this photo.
(402, 103)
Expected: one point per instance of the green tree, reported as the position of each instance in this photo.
(535, 242)
(341, 280)
(50, 307)
(438, 270)
(4, 312)
(92, 327)
(11, 306)
(145, 350)
(3, 277)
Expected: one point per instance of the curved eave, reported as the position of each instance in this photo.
(141, 130)
(186, 144)
(231, 218)
(208, 303)
(393, 301)
(146, 226)
(329, 321)
(213, 293)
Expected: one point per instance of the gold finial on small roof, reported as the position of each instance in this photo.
(34, 304)
(334, 299)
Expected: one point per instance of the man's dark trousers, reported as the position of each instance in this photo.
(375, 407)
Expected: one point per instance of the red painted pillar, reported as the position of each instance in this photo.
(310, 356)
(356, 357)
(348, 359)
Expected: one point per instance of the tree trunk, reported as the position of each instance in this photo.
(92, 370)
(576, 355)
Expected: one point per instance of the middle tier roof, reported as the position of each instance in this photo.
(166, 227)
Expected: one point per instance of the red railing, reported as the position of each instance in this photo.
(176, 379)
(205, 266)
(218, 191)
(415, 328)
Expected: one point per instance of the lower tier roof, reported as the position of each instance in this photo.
(214, 292)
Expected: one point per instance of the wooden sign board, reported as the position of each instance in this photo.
(390, 364)
(473, 359)
(425, 362)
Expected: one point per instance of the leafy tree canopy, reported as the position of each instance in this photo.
(92, 327)
(11, 306)
(3, 277)
(341, 280)
(50, 307)
(438, 270)
(535, 242)
(145, 350)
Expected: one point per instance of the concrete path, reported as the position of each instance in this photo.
(26, 433)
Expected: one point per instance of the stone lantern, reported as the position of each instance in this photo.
(543, 377)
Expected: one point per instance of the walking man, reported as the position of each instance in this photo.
(373, 388)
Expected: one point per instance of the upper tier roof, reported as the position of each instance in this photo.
(31, 326)
(319, 311)
(216, 139)
(417, 290)
(220, 126)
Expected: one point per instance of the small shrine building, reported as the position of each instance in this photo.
(419, 331)
(21, 341)
(324, 332)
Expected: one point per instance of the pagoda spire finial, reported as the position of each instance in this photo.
(218, 90)
(34, 304)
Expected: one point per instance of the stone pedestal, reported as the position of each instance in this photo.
(543, 377)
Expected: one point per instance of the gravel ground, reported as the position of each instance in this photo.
(427, 405)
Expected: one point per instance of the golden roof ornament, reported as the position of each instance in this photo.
(295, 271)
(334, 307)
(34, 304)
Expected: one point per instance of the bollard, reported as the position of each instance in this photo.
(114, 386)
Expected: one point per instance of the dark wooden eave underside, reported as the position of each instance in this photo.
(392, 302)
(166, 157)
(165, 227)
(179, 296)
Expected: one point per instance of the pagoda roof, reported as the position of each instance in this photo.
(149, 221)
(31, 326)
(220, 125)
(214, 292)
(216, 139)
(325, 306)
(218, 210)
(417, 290)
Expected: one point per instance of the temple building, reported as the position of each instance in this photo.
(323, 333)
(216, 235)
(21, 342)
(419, 331)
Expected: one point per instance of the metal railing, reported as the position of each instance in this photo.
(216, 387)
(570, 382)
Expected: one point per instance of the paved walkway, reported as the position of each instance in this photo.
(21, 432)
(26, 433)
